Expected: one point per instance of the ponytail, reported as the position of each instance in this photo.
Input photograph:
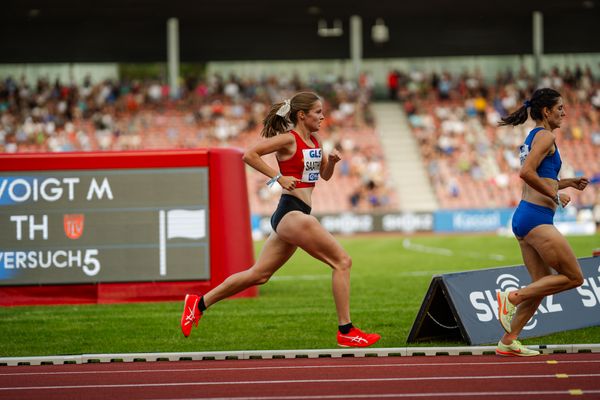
(274, 123)
(540, 99)
(285, 113)
(516, 118)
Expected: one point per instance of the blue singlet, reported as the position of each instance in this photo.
(550, 165)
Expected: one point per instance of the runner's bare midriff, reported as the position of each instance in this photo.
(303, 194)
(533, 196)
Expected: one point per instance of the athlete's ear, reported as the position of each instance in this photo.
(301, 114)
(546, 112)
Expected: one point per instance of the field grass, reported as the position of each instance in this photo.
(294, 310)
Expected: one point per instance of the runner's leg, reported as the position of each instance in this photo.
(274, 254)
(555, 251)
(306, 232)
(537, 269)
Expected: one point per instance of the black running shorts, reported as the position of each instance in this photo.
(288, 203)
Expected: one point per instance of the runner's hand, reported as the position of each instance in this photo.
(288, 182)
(580, 183)
(564, 199)
(334, 157)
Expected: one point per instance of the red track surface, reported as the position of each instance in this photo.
(554, 376)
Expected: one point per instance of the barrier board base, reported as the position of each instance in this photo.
(463, 306)
(437, 319)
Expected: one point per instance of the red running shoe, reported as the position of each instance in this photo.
(357, 338)
(191, 314)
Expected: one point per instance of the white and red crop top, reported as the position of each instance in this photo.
(305, 164)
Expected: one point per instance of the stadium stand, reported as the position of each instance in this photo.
(54, 117)
(472, 162)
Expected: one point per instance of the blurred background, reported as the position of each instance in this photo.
(413, 93)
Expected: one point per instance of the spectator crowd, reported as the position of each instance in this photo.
(473, 163)
(47, 116)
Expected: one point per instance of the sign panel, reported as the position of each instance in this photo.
(106, 225)
(464, 305)
(471, 220)
(486, 220)
(350, 223)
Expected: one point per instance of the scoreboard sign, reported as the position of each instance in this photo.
(120, 217)
(104, 226)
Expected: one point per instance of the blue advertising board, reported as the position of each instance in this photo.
(483, 220)
(462, 306)
(471, 220)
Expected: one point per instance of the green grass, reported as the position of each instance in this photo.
(294, 310)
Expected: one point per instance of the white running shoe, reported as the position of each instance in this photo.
(506, 310)
(515, 349)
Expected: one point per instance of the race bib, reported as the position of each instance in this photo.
(312, 165)
(523, 152)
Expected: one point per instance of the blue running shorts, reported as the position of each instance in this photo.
(528, 215)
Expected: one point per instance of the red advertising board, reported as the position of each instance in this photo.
(121, 226)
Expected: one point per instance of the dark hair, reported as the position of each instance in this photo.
(275, 124)
(539, 99)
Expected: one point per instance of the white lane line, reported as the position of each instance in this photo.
(319, 277)
(536, 393)
(408, 245)
(292, 381)
(300, 367)
(323, 277)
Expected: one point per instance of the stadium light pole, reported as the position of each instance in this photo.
(538, 44)
(173, 56)
(356, 44)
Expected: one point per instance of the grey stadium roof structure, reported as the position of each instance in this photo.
(135, 30)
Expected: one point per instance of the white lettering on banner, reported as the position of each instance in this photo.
(55, 192)
(550, 306)
(476, 222)
(348, 223)
(91, 265)
(20, 219)
(590, 292)
(486, 306)
(312, 165)
(50, 189)
(506, 281)
(99, 191)
(407, 222)
(13, 260)
(55, 260)
(478, 302)
(20, 258)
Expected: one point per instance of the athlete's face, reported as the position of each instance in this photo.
(313, 118)
(555, 115)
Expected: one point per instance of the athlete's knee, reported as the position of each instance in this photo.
(577, 279)
(344, 263)
(574, 276)
(259, 278)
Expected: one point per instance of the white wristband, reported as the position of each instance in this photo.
(274, 179)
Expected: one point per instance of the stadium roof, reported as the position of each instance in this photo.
(135, 30)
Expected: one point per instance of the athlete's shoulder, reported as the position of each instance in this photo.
(286, 137)
(316, 136)
(543, 133)
(544, 140)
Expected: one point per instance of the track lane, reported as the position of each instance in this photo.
(378, 377)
